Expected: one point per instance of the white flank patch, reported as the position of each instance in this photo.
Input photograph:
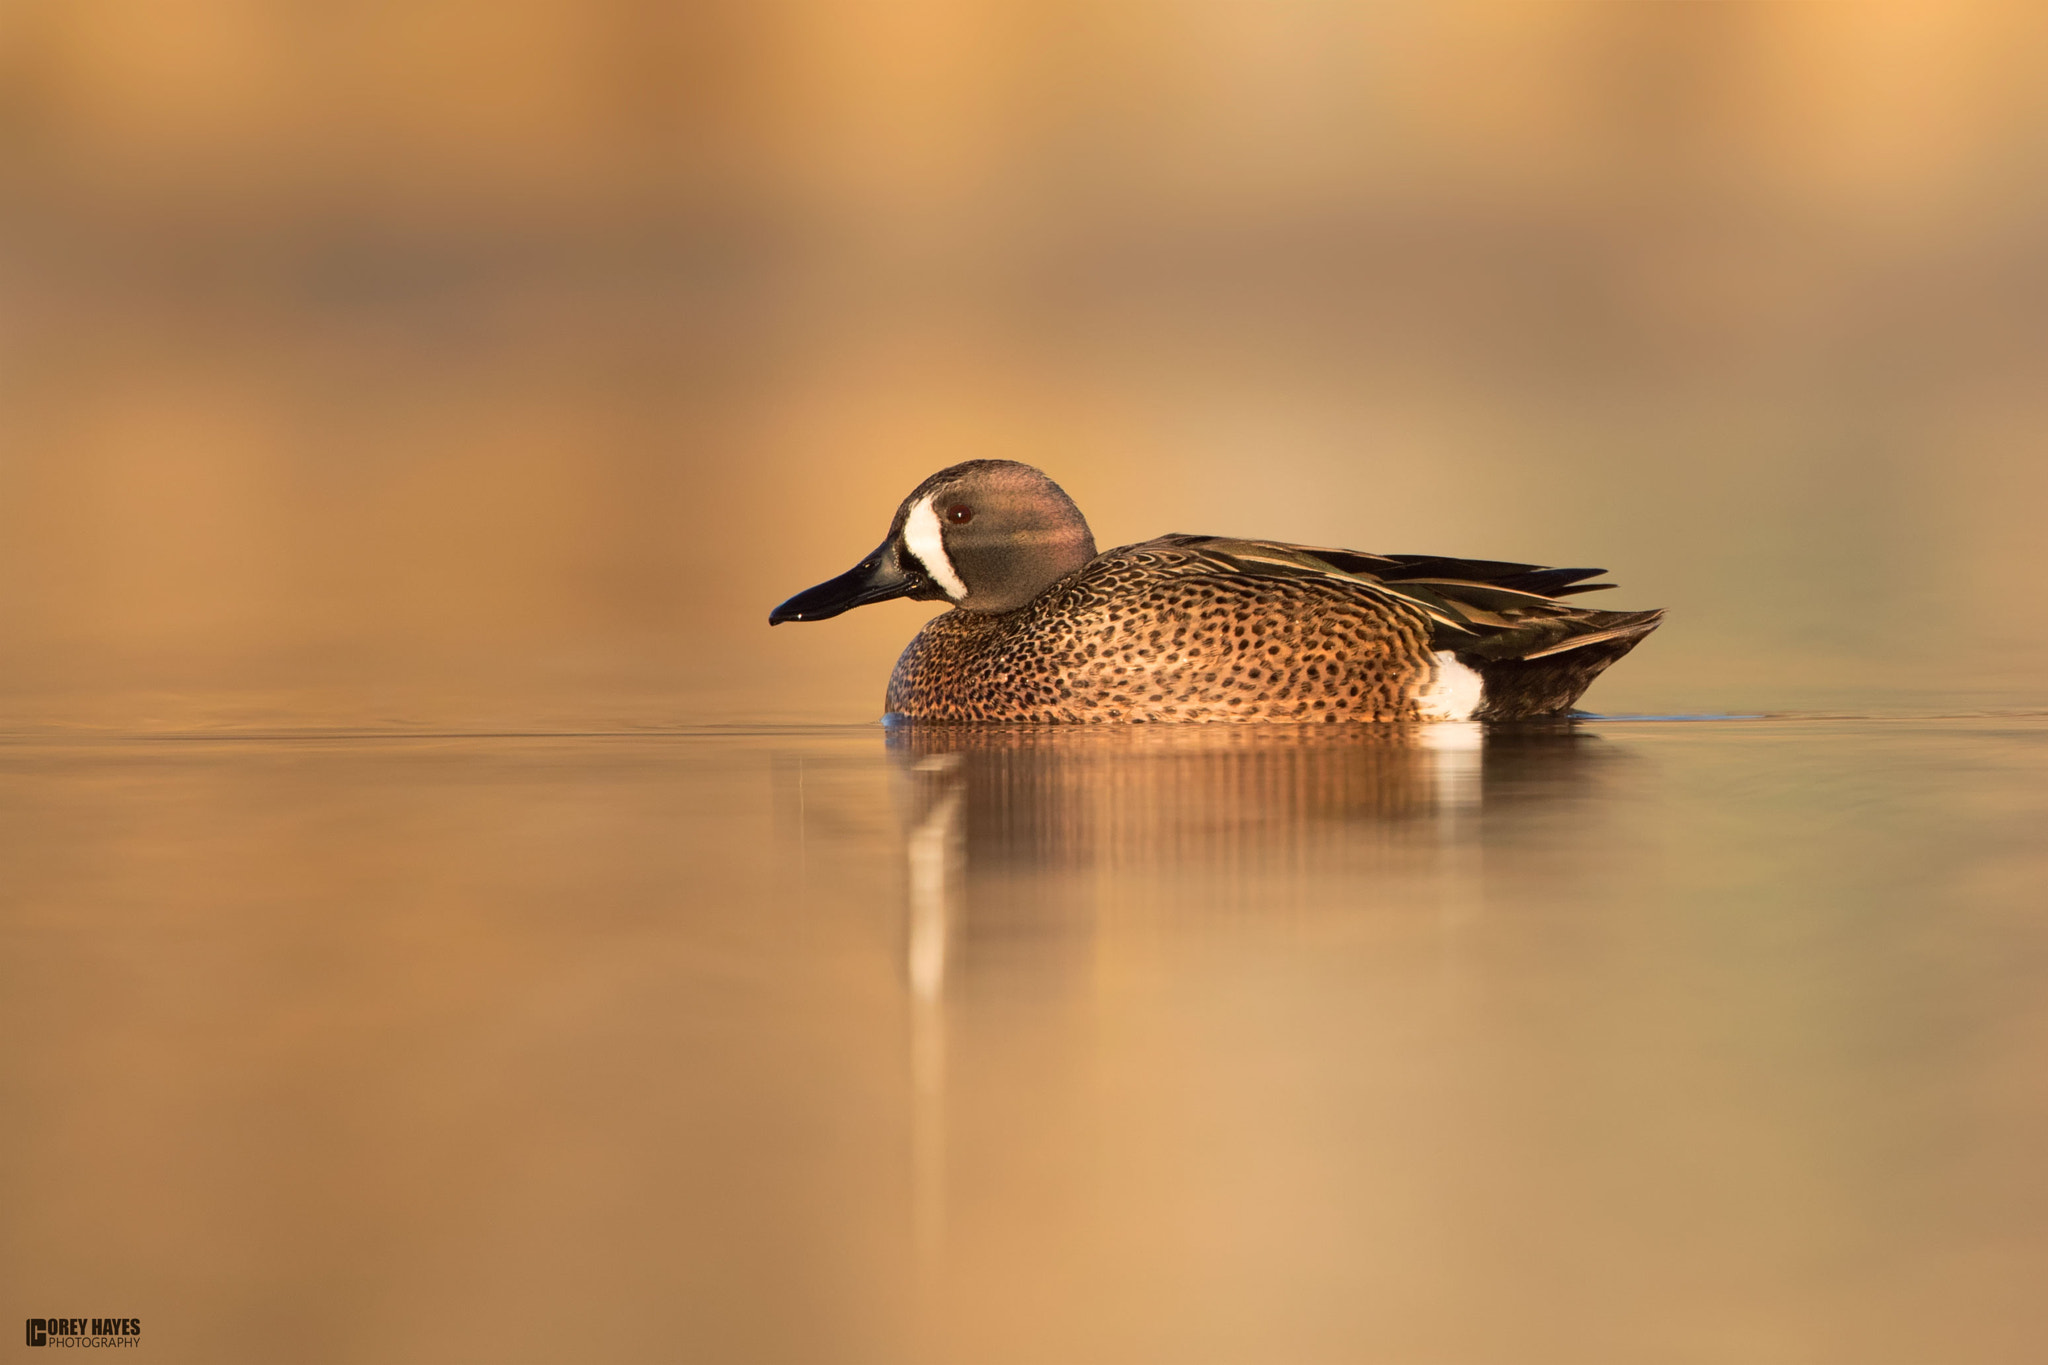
(1452, 692)
(922, 536)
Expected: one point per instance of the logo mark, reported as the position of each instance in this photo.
(38, 1332)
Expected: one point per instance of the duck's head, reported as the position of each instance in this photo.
(988, 535)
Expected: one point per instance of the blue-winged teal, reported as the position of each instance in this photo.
(1207, 628)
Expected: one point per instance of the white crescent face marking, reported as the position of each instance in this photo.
(923, 537)
(1452, 692)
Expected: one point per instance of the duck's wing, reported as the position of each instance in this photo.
(1508, 620)
(1531, 578)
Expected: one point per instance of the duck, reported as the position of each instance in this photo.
(1192, 629)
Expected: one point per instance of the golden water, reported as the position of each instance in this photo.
(1640, 1040)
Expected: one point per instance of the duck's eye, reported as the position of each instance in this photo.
(959, 514)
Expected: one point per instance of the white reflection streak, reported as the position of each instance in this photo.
(936, 863)
(1457, 751)
(934, 850)
(1456, 747)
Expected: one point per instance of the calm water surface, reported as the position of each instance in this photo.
(1635, 1041)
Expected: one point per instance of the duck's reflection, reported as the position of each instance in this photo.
(1030, 836)
(1045, 798)
(1027, 847)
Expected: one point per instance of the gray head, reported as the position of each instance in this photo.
(988, 535)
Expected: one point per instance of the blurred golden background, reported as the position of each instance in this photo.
(445, 363)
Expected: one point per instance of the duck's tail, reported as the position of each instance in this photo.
(1548, 677)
